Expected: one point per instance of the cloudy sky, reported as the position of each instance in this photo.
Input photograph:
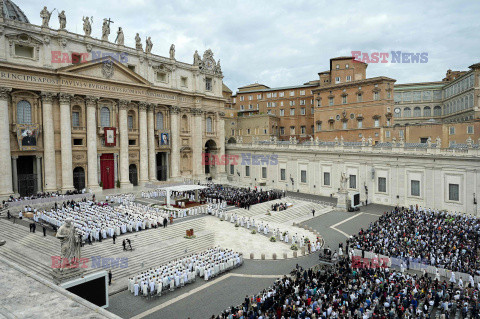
(281, 43)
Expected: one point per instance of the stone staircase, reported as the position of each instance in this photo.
(300, 211)
(152, 247)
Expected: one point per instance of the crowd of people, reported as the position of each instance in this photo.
(240, 197)
(340, 291)
(180, 272)
(439, 239)
(280, 206)
(95, 221)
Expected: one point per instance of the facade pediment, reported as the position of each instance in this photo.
(105, 68)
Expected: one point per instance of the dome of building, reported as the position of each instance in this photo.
(13, 12)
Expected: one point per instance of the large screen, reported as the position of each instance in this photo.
(92, 288)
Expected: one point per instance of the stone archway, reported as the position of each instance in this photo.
(232, 140)
(79, 178)
(210, 149)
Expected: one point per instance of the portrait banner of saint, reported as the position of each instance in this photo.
(27, 136)
(110, 136)
(164, 139)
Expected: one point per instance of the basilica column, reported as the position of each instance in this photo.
(143, 144)
(5, 159)
(197, 134)
(39, 173)
(92, 168)
(66, 141)
(175, 138)
(123, 129)
(15, 175)
(152, 174)
(221, 140)
(49, 143)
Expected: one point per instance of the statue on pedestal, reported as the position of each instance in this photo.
(69, 241)
(148, 45)
(336, 140)
(106, 29)
(120, 40)
(87, 26)
(429, 142)
(62, 19)
(172, 52)
(438, 141)
(45, 15)
(343, 181)
(138, 42)
(196, 58)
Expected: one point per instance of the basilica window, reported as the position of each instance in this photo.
(24, 112)
(105, 117)
(130, 122)
(303, 176)
(417, 112)
(353, 181)
(209, 125)
(453, 192)
(415, 188)
(159, 121)
(437, 111)
(326, 178)
(382, 185)
(75, 119)
(407, 112)
(427, 111)
(184, 123)
(208, 84)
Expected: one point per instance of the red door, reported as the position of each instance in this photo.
(107, 171)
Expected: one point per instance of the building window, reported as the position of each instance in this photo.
(75, 119)
(330, 101)
(303, 176)
(302, 92)
(349, 78)
(282, 174)
(281, 94)
(415, 188)
(407, 112)
(437, 111)
(132, 142)
(264, 172)
(208, 84)
(302, 111)
(452, 130)
(130, 122)
(417, 112)
(337, 66)
(24, 51)
(105, 117)
(24, 112)
(375, 96)
(303, 129)
(161, 77)
(282, 130)
(359, 97)
(232, 169)
(159, 121)
(346, 66)
(282, 112)
(259, 96)
(248, 131)
(269, 95)
(183, 81)
(292, 130)
(353, 181)
(427, 111)
(360, 123)
(326, 178)
(337, 79)
(242, 98)
(344, 99)
(242, 107)
(302, 102)
(274, 94)
(292, 111)
(250, 97)
(469, 129)
(377, 122)
(209, 125)
(292, 103)
(387, 134)
(319, 126)
(400, 133)
(247, 170)
(453, 192)
(77, 141)
(382, 185)
(344, 125)
(292, 93)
